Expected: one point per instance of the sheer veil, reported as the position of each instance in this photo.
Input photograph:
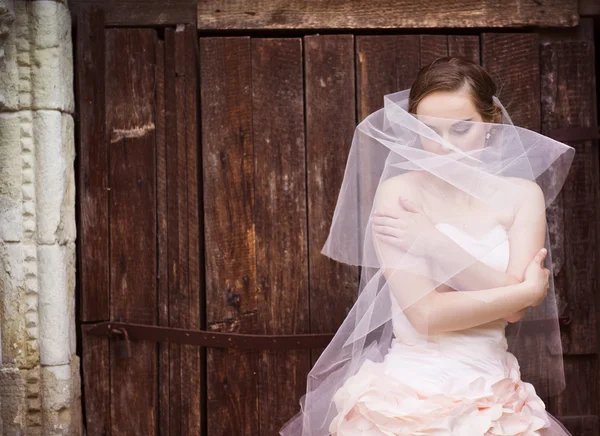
(494, 167)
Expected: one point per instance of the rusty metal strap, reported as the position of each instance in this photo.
(141, 332)
(206, 338)
(574, 134)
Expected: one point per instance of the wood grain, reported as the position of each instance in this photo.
(330, 102)
(92, 162)
(130, 125)
(130, 13)
(229, 231)
(325, 14)
(281, 224)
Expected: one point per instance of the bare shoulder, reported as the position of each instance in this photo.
(528, 191)
(406, 185)
(529, 202)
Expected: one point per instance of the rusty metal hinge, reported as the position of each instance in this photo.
(141, 332)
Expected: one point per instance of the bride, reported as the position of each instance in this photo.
(443, 206)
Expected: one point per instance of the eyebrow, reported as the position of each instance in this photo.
(454, 124)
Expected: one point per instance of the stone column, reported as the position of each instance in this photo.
(39, 373)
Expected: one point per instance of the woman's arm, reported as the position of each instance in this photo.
(434, 311)
(430, 310)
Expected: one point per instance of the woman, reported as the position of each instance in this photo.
(443, 205)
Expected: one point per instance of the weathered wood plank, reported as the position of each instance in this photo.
(131, 129)
(324, 14)
(330, 120)
(96, 383)
(190, 355)
(512, 59)
(92, 156)
(280, 217)
(229, 232)
(141, 12)
(162, 229)
(569, 101)
(176, 215)
(586, 425)
(433, 47)
(385, 64)
(466, 46)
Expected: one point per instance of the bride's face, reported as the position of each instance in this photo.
(452, 116)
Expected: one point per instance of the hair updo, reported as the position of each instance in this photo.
(450, 73)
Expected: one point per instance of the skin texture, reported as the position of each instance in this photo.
(412, 203)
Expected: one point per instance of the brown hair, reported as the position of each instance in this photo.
(450, 73)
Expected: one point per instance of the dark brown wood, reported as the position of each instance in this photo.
(92, 155)
(436, 46)
(229, 231)
(162, 234)
(141, 12)
(589, 8)
(92, 234)
(569, 101)
(96, 385)
(176, 214)
(512, 59)
(191, 364)
(384, 64)
(586, 425)
(330, 121)
(578, 404)
(433, 47)
(280, 217)
(205, 338)
(324, 14)
(182, 225)
(130, 125)
(466, 46)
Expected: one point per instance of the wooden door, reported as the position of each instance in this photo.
(208, 172)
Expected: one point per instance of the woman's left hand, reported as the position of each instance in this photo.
(404, 228)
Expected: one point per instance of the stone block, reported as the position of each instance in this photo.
(55, 183)
(56, 303)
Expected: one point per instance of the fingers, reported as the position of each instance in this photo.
(387, 221)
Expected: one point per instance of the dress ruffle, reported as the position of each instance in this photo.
(371, 403)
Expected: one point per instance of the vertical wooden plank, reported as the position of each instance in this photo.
(385, 64)
(176, 176)
(163, 274)
(280, 217)
(466, 46)
(190, 354)
(330, 120)
(229, 231)
(513, 61)
(130, 65)
(92, 223)
(96, 386)
(92, 155)
(433, 47)
(569, 100)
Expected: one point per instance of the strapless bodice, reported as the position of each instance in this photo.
(493, 250)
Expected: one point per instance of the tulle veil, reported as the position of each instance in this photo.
(491, 166)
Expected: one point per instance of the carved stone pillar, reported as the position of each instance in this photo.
(39, 370)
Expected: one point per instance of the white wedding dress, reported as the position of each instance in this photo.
(462, 383)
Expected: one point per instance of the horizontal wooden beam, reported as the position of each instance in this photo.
(129, 13)
(383, 14)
